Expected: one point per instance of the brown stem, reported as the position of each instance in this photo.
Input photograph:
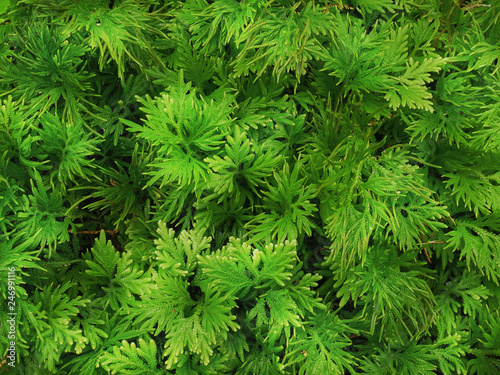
(425, 249)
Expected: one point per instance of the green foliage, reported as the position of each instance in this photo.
(116, 275)
(124, 190)
(186, 128)
(49, 71)
(119, 33)
(444, 354)
(321, 347)
(250, 187)
(124, 360)
(240, 173)
(485, 348)
(478, 245)
(54, 323)
(43, 217)
(392, 292)
(68, 147)
(289, 204)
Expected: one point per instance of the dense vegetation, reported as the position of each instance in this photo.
(250, 187)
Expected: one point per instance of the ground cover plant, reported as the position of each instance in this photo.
(250, 187)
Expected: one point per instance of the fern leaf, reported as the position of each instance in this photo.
(131, 359)
(409, 88)
(242, 170)
(283, 312)
(320, 347)
(69, 148)
(200, 327)
(487, 353)
(227, 268)
(449, 353)
(178, 256)
(412, 218)
(186, 129)
(478, 246)
(41, 217)
(58, 324)
(118, 277)
(288, 205)
(105, 258)
(117, 32)
(386, 290)
(464, 293)
(379, 6)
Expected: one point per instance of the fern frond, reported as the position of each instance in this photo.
(464, 293)
(51, 72)
(57, 324)
(386, 290)
(241, 172)
(320, 347)
(486, 350)
(68, 147)
(478, 245)
(288, 208)
(285, 41)
(116, 275)
(198, 328)
(408, 89)
(41, 217)
(119, 33)
(124, 192)
(130, 359)
(186, 129)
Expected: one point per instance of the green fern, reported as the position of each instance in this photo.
(241, 172)
(319, 348)
(487, 355)
(288, 206)
(116, 275)
(464, 292)
(123, 192)
(414, 359)
(43, 217)
(124, 359)
(51, 72)
(119, 33)
(186, 129)
(107, 333)
(478, 245)
(68, 148)
(284, 40)
(55, 326)
(409, 90)
(386, 286)
(256, 187)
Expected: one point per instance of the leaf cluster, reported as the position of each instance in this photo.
(250, 187)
